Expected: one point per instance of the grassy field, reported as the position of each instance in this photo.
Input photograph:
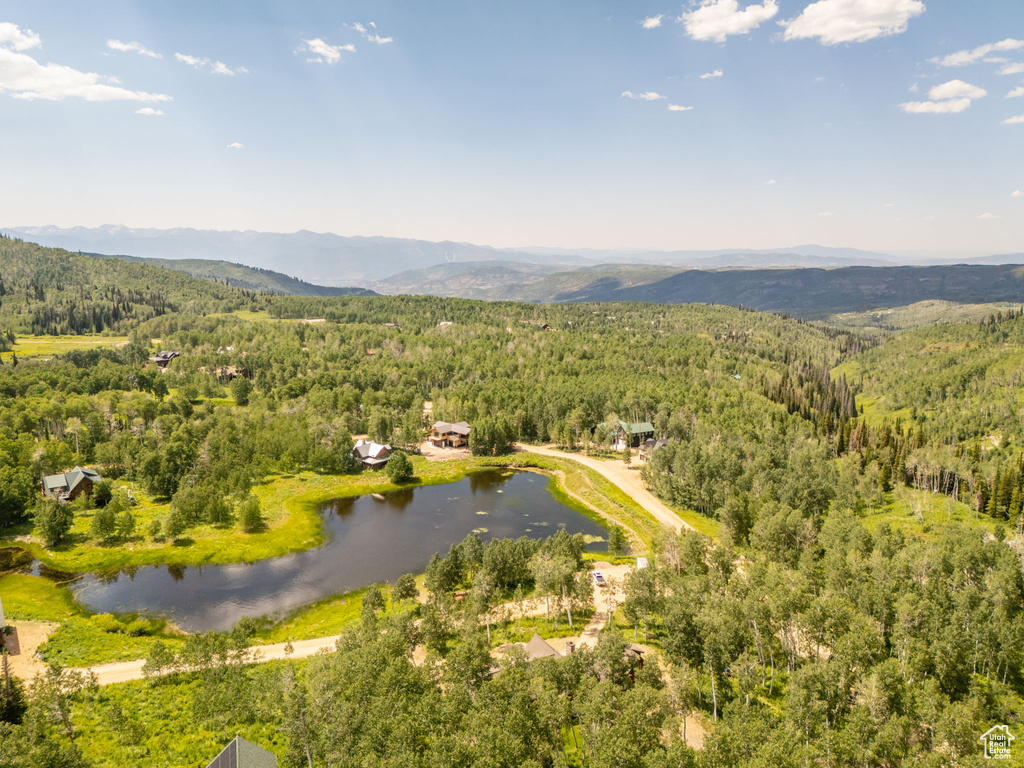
(32, 598)
(157, 725)
(923, 513)
(321, 619)
(48, 346)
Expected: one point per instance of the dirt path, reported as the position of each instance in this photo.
(605, 600)
(628, 480)
(124, 671)
(22, 645)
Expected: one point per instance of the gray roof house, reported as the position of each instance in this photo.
(70, 485)
(244, 754)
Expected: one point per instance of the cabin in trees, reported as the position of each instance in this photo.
(650, 445)
(163, 358)
(630, 435)
(370, 454)
(445, 435)
(244, 754)
(70, 485)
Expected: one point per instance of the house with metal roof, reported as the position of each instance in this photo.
(371, 454)
(629, 434)
(70, 485)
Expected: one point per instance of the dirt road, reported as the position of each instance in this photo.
(617, 473)
(124, 671)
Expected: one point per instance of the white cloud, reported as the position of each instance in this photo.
(709, 75)
(1018, 91)
(945, 99)
(989, 216)
(149, 111)
(1015, 120)
(826, 214)
(139, 48)
(956, 89)
(369, 34)
(678, 108)
(960, 58)
(646, 96)
(1017, 193)
(652, 22)
(715, 20)
(12, 36)
(25, 78)
(324, 53)
(852, 21)
(1012, 69)
(770, 181)
(952, 106)
(236, 145)
(216, 67)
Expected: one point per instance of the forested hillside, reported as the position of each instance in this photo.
(951, 395)
(50, 291)
(241, 276)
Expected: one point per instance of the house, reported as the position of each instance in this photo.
(630, 435)
(228, 373)
(163, 358)
(70, 485)
(650, 445)
(244, 754)
(370, 454)
(445, 435)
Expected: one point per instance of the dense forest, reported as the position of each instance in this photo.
(804, 635)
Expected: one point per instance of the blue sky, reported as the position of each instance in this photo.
(879, 124)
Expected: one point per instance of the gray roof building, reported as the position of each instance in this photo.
(244, 754)
(70, 484)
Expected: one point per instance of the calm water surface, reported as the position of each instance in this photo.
(371, 540)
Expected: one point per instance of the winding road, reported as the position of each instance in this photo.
(617, 473)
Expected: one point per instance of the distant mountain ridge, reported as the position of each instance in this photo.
(328, 259)
(320, 258)
(819, 292)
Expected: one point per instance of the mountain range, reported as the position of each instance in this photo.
(327, 259)
(806, 280)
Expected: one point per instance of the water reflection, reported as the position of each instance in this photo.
(365, 545)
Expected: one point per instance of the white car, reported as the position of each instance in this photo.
(599, 579)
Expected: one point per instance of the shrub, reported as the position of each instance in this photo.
(108, 622)
(251, 515)
(399, 468)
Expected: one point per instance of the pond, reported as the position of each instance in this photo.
(371, 539)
